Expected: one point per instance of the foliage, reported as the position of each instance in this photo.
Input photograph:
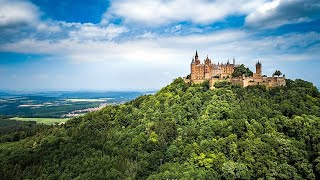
(11, 130)
(277, 73)
(241, 70)
(185, 131)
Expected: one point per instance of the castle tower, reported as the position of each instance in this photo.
(194, 67)
(208, 68)
(207, 60)
(196, 58)
(258, 68)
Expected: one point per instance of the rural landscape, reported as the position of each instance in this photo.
(157, 89)
(57, 105)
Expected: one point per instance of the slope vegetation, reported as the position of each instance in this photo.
(182, 132)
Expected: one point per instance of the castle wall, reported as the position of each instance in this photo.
(237, 81)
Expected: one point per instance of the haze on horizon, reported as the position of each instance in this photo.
(138, 44)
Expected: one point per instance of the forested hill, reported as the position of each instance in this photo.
(182, 132)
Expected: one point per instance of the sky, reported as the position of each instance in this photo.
(144, 45)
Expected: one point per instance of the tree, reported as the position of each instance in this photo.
(206, 85)
(277, 73)
(241, 70)
(181, 132)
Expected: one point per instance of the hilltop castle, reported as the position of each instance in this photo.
(213, 73)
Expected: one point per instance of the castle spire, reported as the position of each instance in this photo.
(258, 63)
(196, 54)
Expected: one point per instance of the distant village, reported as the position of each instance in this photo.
(231, 72)
(81, 112)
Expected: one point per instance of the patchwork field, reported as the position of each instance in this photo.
(59, 104)
(47, 121)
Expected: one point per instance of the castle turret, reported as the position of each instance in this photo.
(196, 57)
(207, 60)
(258, 68)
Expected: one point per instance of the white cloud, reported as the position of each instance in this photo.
(49, 27)
(158, 12)
(164, 51)
(95, 62)
(280, 12)
(17, 12)
(91, 31)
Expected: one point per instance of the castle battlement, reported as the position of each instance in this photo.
(208, 71)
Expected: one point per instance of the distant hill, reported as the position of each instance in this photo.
(111, 94)
(4, 94)
(78, 94)
(184, 131)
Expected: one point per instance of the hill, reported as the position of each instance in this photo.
(184, 131)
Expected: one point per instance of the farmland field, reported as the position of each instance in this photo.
(59, 104)
(47, 121)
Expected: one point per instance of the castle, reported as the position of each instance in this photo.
(213, 73)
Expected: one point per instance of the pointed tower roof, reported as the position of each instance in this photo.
(196, 53)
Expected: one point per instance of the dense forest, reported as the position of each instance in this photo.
(184, 131)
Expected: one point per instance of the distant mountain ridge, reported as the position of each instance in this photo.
(73, 94)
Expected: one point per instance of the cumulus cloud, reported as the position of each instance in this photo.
(21, 19)
(159, 12)
(155, 56)
(172, 50)
(178, 28)
(280, 12)
(89, 31)
(14, 12)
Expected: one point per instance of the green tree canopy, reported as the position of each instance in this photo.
(277, 73)
(239, 71)
(184, 131)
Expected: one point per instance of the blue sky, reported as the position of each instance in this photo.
(138, 44)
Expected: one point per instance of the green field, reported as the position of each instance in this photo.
(87, 100)
(48, 121)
